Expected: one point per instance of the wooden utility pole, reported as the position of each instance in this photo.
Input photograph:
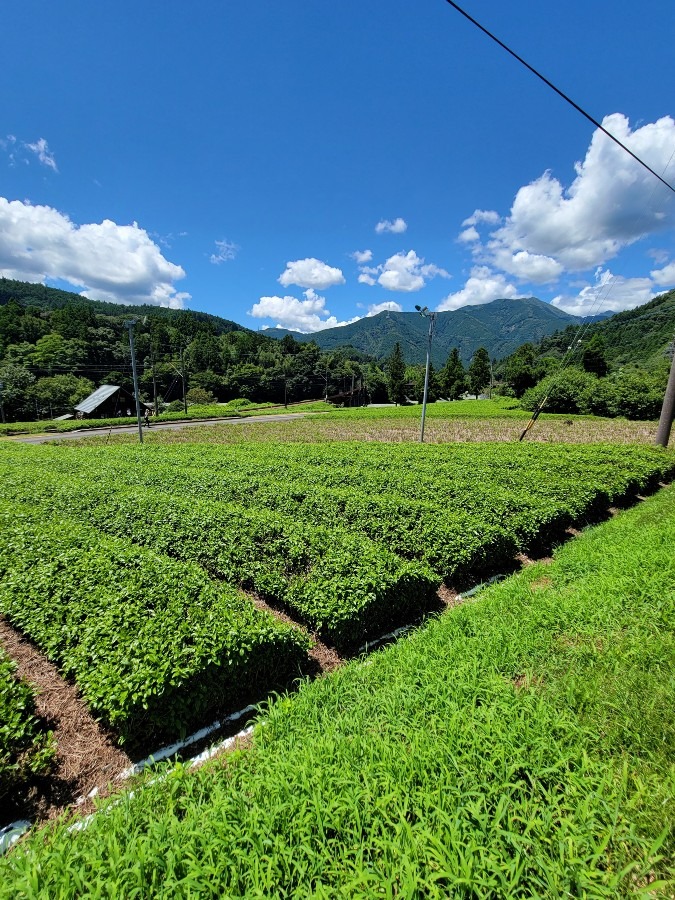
(424, 312)
(154, 381)
(666, 420)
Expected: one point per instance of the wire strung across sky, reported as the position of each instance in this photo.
(559, 92)
(583, 328)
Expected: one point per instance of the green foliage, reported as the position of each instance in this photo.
(521, 371)
(395, 369)
(518, 746)
(153, 645)
(636, 337)
(48, 333)
(26, 746)
(351, 538)
(199, 396)
(452, 377)
(634, 394)
(631, 393)
(565, 391)
(414, 380)
(60, 393)
(479, 372)
(594, 356)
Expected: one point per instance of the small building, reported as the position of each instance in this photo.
(107, 402)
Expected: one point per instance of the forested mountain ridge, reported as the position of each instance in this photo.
(637, 336)
(47, 299)
(500, 327)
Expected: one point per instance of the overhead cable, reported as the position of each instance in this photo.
(559, 92)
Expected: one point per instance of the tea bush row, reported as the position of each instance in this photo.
(26, 745)
(153, 644)
(342, 585)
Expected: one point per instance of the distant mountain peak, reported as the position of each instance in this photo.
(500, 326)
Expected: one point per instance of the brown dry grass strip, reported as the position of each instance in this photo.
(87, 756)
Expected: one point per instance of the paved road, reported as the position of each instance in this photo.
(133, 429)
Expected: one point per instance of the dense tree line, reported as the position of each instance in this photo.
(451, 382)
(598, 369)
(51, 358)
(56, 347)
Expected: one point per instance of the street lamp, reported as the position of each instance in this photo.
(431, 316)
(129, 324)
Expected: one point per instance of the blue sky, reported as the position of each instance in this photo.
(306, 164)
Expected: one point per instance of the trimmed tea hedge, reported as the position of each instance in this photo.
(26, 745)
(154, 645)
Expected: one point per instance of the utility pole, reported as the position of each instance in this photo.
(431, 316)
(2, 408)
(154, 381)
(182, 376)
(130, 325)
(668, 408)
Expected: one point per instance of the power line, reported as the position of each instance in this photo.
(559, 92)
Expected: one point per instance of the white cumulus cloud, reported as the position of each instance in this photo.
(118, 263)
(398, 226)
(365, 278)
(482, 216)
(362, 256)
(527, 266)
(386, 306)
(612, 202)
(311, 273)
(664, 277)
(610, 292)
(469, 235)
(407, 272)
(306, 315)
(483, 286)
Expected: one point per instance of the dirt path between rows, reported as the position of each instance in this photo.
(326, 659)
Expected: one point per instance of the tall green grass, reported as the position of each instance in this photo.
(518, 746)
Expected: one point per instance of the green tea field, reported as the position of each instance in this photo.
(486, 754)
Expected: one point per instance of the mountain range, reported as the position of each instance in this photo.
(501, 327)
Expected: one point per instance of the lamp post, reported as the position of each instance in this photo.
(129, 324)
(431, 316)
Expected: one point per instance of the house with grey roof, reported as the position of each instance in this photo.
(109, 401)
